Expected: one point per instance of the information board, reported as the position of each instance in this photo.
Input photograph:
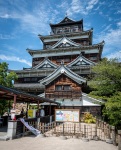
(67, 115)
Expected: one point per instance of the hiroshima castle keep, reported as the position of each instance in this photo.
(61, 68)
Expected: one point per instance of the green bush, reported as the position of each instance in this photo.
(88, 118)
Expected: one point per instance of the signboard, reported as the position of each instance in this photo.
(32, 113)
(67, 115)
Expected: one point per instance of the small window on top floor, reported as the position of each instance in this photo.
(84, 42)
(59, 30)
(75, 29)
(67, 29)
(48, 46)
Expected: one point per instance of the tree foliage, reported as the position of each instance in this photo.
(106, 84)
(107, 78)
(6, 79)
(113, 109)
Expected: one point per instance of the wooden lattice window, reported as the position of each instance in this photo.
(67, 29)
(62, 87)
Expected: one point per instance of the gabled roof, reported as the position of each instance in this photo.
(67, 20)
(62, 69)
(65, 40)
(86, 102)
(46, 63)
(81, 61)
(78, 102)
(89, 101)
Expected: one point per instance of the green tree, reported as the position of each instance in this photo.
(6, 79)
(113, 110)
(107, 78)
(106, 85)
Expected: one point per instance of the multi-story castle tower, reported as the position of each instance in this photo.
(60, 69)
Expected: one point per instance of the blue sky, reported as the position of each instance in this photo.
(22, 20)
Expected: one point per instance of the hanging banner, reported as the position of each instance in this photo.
(32, 129)
(32, 113)
(67, 115)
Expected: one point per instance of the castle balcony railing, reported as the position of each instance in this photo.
(28, 85)
(39, 73)
(71, 30)
(80, 71)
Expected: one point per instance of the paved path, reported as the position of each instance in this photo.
(53, 143)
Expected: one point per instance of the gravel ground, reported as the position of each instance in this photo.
(53, 143)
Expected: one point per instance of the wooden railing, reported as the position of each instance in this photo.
(21, 129)
(63, 94)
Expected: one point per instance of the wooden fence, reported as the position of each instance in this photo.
(22, 130)
(99, 131)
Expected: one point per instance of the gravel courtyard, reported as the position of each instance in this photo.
(53, 143)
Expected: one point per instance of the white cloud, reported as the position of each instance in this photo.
(119, 24)
(106, 28)
(78, 6)
(35, 21)
(6, 36)
(100, 12)
(63, 6)
(110, 19)
(115, 55)
(91, 4)
(112, 38)
(14, 58)
(6, 16)
(118, 12)
(9, 49)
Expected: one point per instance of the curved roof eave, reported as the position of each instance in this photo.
(78, 59)
(63, 21)
(45, 61)
(62, 70)
(67, 40)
